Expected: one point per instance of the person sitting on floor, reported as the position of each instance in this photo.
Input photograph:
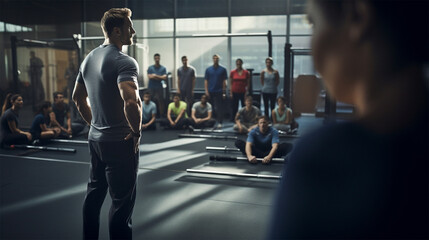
(9, 132)
(177, 118)
(149, 112)
(60, 111)
(263, 142)
(282, 115)
(39, 128)
(202, 114)
(247, 118)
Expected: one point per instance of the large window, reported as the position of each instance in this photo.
(189, 26)
(252, 24)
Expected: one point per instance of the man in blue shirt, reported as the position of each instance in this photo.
(149, 113)
(156, 74)
(263, 142)
(215, 86)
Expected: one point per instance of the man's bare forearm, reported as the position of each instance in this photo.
(84, 110)
(273, 150)
(248, 149)
(133, 113)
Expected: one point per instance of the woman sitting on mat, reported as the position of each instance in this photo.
(9, 132)
(39, 129)
(282, 115)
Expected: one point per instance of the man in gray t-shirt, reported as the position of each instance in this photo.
(108, 78)
(202, 114)
(247, 117)
(186, 83)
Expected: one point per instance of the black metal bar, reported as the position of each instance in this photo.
(43, 148)
(250, 87)
(287, 69)
(229, 158)
(270, 44)
(224, 149)
(250, 175)
(206, 136)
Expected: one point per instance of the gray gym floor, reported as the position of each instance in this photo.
(42, 192)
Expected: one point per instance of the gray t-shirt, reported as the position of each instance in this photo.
(186, 76)
(200, 111)
(148, 110)
(250, 117)
(101, 71)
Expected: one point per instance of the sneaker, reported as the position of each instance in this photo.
(219, 125)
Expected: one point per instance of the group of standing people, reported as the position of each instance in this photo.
(215, 86)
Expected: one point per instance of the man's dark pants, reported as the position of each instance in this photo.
(114, 166)
(158, 98)
(186, 95)
(282, 149)
(216, 100)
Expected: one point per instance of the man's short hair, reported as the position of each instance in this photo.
(216, 55)
(146, 93)
(156, 55)
(176, 95)
(183, 57)
(249, 97)
(57, 93)
(115, 17)
(263, 117)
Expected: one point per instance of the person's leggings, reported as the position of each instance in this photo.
(271, 98)
(15, 139)
(235, 98)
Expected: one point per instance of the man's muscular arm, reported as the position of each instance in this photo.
(132, 104)
(79, 97)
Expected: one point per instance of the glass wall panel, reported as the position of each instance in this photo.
(200, 52)
(154, 28)
(300, 25)
(252, 24)
(301, 42)
(189, 26)
(303, 65)
(92, 29)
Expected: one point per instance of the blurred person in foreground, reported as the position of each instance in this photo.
(366, 178)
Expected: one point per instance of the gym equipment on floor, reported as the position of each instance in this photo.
(43, 148)
(184, 135)
(249, 175)
(229, 158)
(69, 141)
(223, 149)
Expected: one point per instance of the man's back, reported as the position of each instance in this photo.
(101, 72)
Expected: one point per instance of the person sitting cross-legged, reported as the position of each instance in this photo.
(263, 142)
(247, 118)
(148, 113)
(177, 118)
(282, 116)
(39, 128)
(202, 114)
